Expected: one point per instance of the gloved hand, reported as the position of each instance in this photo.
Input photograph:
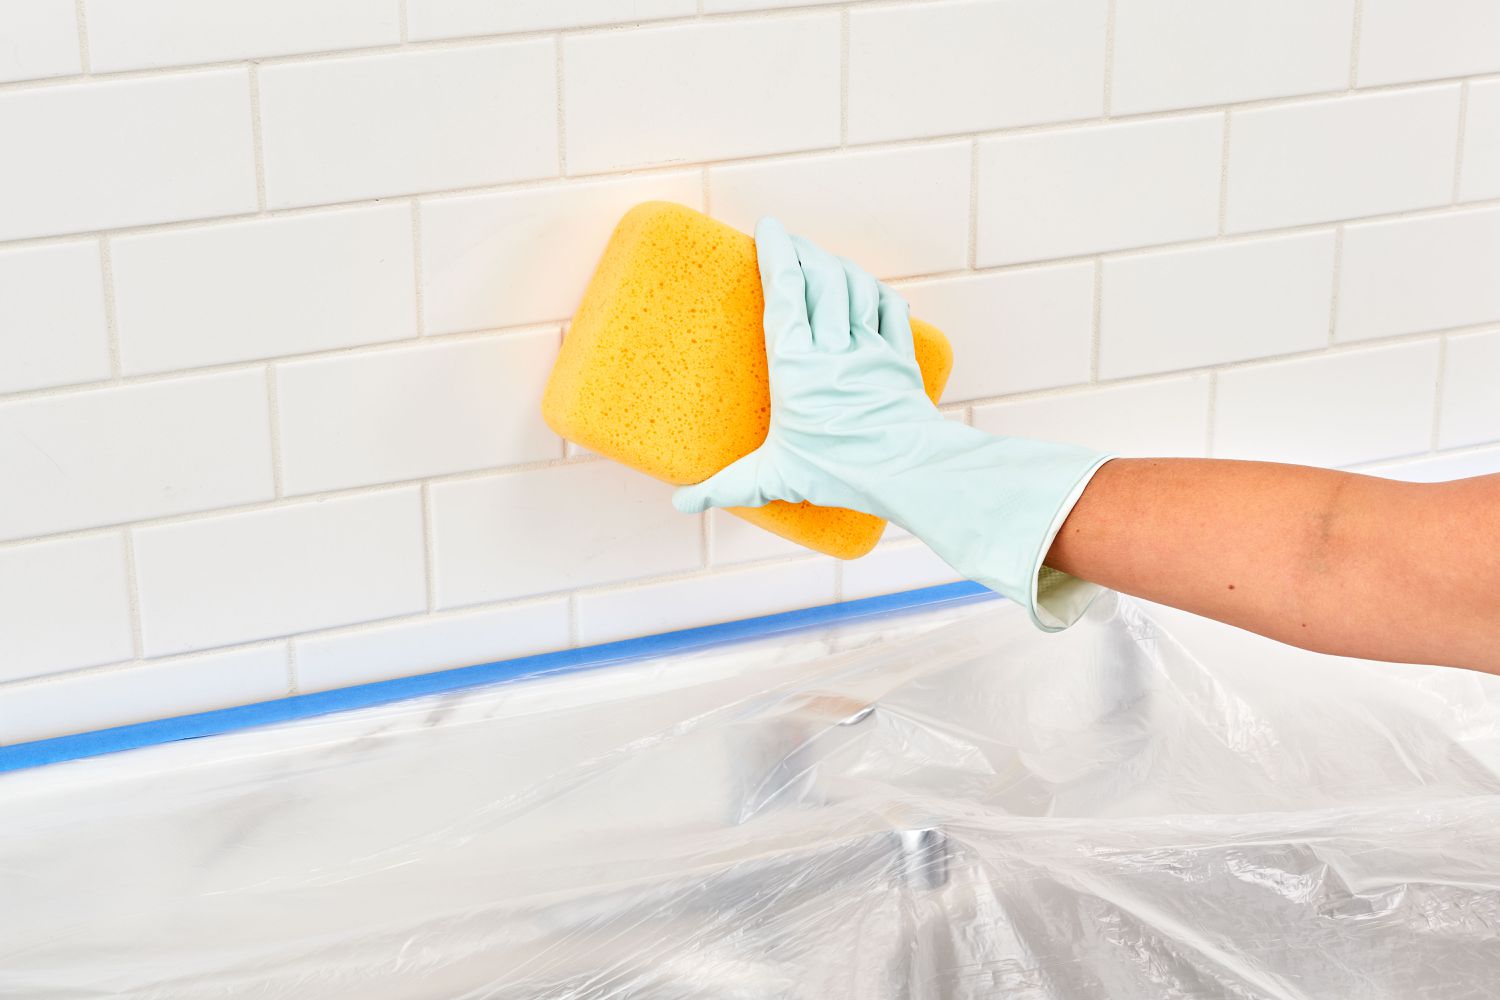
(852, 427)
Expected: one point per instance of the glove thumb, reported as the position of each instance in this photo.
(735, 485)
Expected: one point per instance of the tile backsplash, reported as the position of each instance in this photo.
(281, 281)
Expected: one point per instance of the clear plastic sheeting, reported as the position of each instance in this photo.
(936, 804)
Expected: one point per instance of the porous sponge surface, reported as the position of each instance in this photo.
(664, 366)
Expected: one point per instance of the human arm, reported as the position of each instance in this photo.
(1373, 568)
(1331, 561)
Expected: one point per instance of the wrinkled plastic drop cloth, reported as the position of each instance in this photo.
(939, 804)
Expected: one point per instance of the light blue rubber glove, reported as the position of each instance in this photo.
(851, 426)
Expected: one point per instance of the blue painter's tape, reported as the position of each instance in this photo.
(305, 706)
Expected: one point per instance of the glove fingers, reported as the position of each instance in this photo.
(785, 319)
(864, 305)
(735, 485)
(895, 323)
(827, 296)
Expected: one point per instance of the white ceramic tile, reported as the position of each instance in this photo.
(141, 693)
(1334, 410)
(517, 257)
(725, 596)
(736, 540)
(341, 129)
(125, 152)
(453, 18)
(38, 38)
(1082, 190)
(1208, 305)
(553, 529)
(685, 93)
(968, 66)
(1427, 39)
(416, 647)
(892, 568)
(233, 578)
(1342, 158)
(1166, 418)
(892, 212)
(1186, 53)
(388, 416)
(244, 290)
(1014, 331)
(52, 325)
(107, 456)
(1440, 468)
(1430, 273)
(722, 6)
(141, 33)
(65, 604)
(1471, 407)
(1481, 163)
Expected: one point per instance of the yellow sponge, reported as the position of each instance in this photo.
(664, 366)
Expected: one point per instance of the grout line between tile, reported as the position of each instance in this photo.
(1213, 414)
(402, 19)
(1338, 277)
(111, 318)
(133, 593)
(1109, 57)
(293, 682)
(843, 76)
(1354, 43)
(85, 58)
(1224, 177)
(418, 294)
(1458, 157)
(559, 86)
(973, 258)
(1097, 322)
(429, 549)
(1437, 395)
(273, 410)
(257, 143)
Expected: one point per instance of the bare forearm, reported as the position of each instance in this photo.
(1331, 561)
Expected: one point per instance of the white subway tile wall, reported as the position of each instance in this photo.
(1341, 158)
(146, 33)
(740, 593)
(518, 257)
(970, 65)
(53, 328)
(41, 39)
(185, 298)
(67, 604)
(238, 577)
(1211, 304)
(280, 285)
(1336, 409)
(1426, 273)
(1186, 53)
(1471, 407)
(361, 127)
(126, 152)
(410, 412)
(1016, 331)
(909, 205)
(1481, 152)
(1075, 191)
(702, 91)
(1164, 417)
